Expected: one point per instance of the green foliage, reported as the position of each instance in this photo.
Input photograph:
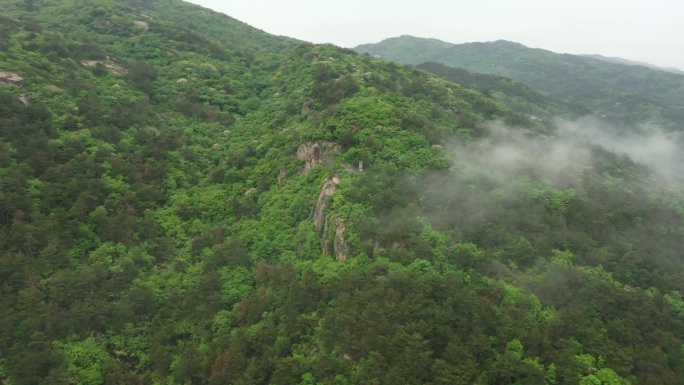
(142, 75)
(516, 95)
(619, 92)
(84, 361)
(182, 204)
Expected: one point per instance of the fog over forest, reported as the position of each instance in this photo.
(661, 150)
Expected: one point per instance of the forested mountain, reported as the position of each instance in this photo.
(187, 200)
(620, 92)
(634, 63)
(512, 93)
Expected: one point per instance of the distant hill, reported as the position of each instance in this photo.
(514, 94)
(624, 92)
(628, 62)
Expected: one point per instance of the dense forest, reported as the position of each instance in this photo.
(624, 93)
(515, 95)
(187, 200)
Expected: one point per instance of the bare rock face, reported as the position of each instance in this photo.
(320, 152)
(110, 65)
(142, 25)
(341, 246)
(25, 100)
(10, 78)
(327, 191)
(323, 223)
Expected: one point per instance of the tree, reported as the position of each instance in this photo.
(142, 75)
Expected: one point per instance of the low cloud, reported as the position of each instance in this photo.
(509, 167)
(649, 145)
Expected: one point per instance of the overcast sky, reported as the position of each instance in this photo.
(642, 30)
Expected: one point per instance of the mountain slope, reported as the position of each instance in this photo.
(196, 22)
(513, 94)
(175, 209)
(634, 63)
(628, 93)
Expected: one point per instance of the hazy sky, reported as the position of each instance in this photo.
(650, 31)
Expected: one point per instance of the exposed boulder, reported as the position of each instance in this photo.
(10, 78)
(315, 153)
(142, 25)
(25, 100)
(111, 66)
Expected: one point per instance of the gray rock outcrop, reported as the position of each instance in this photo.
(335, 244)
(314, 153)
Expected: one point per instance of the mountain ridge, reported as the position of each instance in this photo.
(634, 62)
(647, 95)
(510, 43)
